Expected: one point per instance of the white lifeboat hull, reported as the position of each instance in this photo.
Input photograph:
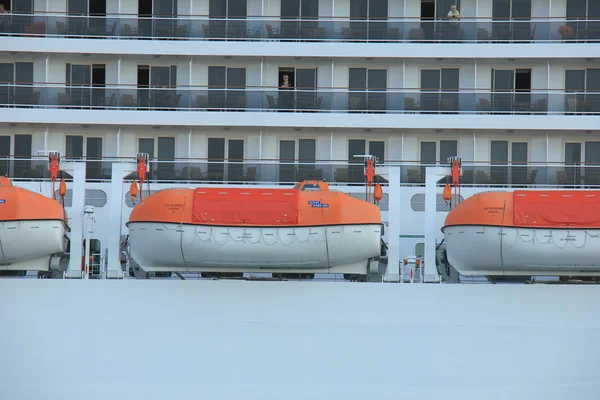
(29, 245)
(491, 250)
(201, 248)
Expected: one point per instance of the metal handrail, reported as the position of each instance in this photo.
(271, 161)
(263, 88)
(295, 18)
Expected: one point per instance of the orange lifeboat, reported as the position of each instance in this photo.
(526, 232)
(306, 229)
(33, 228)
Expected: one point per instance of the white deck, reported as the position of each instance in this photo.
(131, 339)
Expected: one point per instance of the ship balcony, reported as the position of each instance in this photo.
(276, 36)
(321, 107)
(343, 173)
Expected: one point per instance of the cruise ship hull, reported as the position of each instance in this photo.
(494, 250)
(159, 246)
(30, 245)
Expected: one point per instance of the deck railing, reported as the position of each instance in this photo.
(327, 100)
(323, 29)
(199, 171)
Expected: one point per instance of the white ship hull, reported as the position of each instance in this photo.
(29, 245)
(332, 249)
(490, 250)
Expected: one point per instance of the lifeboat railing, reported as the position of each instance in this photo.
(335, 172)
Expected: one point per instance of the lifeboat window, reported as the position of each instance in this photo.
(93, 197)
(311, 187)
(417, 203)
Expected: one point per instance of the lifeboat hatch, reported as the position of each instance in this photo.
(314, 186)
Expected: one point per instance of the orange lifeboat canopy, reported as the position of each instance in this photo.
(545, 209)
(18, 204)
(309, 203)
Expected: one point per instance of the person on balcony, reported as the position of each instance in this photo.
(453, 17)
(286, 99)
(453, 14)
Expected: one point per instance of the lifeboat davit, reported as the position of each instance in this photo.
(528, 232)
(33, 229)
(307, 229)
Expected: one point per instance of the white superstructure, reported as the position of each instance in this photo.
(199, 85)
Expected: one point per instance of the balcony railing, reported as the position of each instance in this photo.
(325, 100)
(199, 171)
(392, 30)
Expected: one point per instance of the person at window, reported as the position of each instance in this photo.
(453, 14)
(286, 82)
(286, 99)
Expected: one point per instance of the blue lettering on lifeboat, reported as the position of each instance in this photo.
(317, 204)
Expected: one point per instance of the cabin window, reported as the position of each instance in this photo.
(223, 82)
(74, 149)
(18, 73)
(506, 9)
(164, 147)
(291, 10)
(231, 167)
(21, 168)
(227, 8)
(445, 149)
(436, 81)
(297, 160)
(360, 147)
(579, 80)
(22, 150)
(80, 79)
(16, 83)
(583, 9)
(367, 89)
(503, 153)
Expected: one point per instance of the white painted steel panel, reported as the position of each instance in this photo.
(299, 49)
(297, 340)
(558, 123)
(490, 250)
